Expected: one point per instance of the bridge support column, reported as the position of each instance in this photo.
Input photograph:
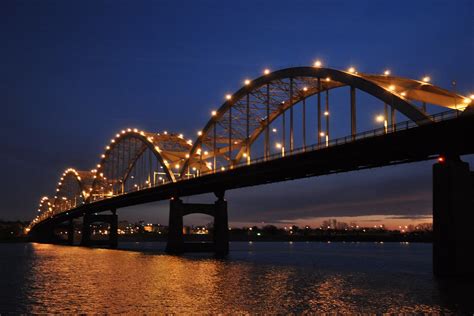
(453, 217)
(70, 232)
(89, 219)
(221, 227)
(218, 210)
(175, 227)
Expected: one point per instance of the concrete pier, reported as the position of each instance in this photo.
(453, 218)
(218, 210)
(111, 219)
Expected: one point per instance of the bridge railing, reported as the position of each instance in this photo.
(438, 117)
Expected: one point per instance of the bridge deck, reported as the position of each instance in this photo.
(449, 137)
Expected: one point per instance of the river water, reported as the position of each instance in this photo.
(277, 277)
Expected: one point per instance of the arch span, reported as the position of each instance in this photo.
(125, 152)
(72, 189)
(249, 112)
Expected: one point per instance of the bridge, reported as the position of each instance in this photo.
(277, 128)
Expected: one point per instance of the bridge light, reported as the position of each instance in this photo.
(441, 159)
(274, 130)
(403, 94)
(135, 130)
(266, 71)
(305, 88)
(391, 87)
(326, 113)
(318, 63)
(214, 113)
(245, 155)
(328, 79)
(380, 118)
(177, 166)
(278, 145)
(322, 134)
(98, 166)
(222, 168)
(112, 140)
(471, 97)
(118, 135)
(165, 132)
(228, 96)
(103, 156)
(180, 136)
(467, 100)
(107, 147)
(386, 72)
(194, 168)
(129, 129)
(426, 79)
(351, 70)
(247, 82)
(123, 132)
(199, 133)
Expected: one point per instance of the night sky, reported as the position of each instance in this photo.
(73, 73)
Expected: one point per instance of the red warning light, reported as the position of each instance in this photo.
(441, 159)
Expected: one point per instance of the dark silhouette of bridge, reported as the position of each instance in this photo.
(139, 167)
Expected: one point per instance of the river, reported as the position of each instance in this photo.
(258, 277)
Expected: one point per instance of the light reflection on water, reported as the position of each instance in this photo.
(257, 278)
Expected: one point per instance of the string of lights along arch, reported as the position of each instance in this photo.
(278, 114)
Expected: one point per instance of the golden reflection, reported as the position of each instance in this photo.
(75, 280)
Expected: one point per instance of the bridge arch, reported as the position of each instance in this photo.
(71, 190)
(45, 208)
(124, 153)
(243, 116)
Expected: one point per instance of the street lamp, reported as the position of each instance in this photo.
(326, 136)
(280, 146)
(382, 119)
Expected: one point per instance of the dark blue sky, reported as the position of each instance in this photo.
(73, 73)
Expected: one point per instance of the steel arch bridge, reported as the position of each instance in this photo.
(272, 107)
